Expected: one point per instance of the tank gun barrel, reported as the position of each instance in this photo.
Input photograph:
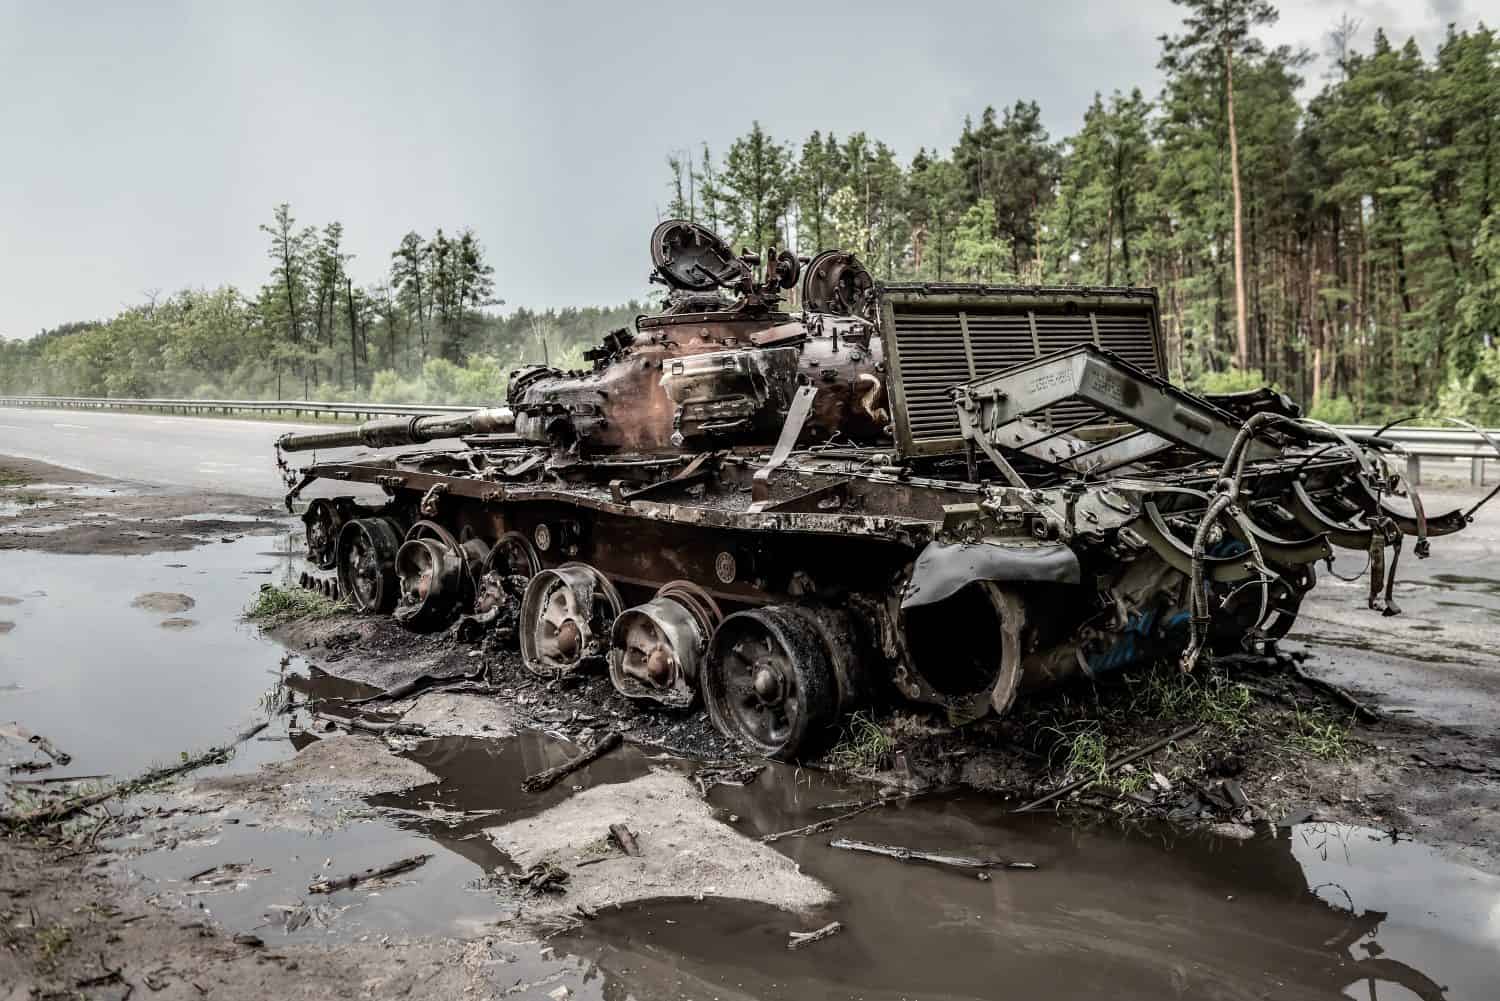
(390, 431)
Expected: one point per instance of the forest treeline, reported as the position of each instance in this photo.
(1368, 275)
(425, 333)
(1346, 248)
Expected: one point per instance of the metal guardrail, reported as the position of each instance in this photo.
(1419, 442)
(295, 408)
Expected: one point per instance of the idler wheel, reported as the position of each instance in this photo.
(431, 576)
(770, 682)
(657, 648)
(566, 616)
(321, 529)
(367, 563)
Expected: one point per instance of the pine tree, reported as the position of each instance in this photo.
(1217, 32)
(754, 189)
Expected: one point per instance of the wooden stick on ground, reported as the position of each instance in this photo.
(801, 938)
(72, 807)
(1119, 762)
(937, 858)
(415, 685)
(818, 827)
(354, 879)
(550, 777)
(378, 729)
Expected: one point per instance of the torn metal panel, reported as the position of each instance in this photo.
(943, 568)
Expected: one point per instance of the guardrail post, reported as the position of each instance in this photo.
(1476, 471)
(1414, 469)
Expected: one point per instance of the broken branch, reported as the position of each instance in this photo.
(1111, 766)
(549, 778)
(377, 729)
(354, 879)
(820, 826)
(937, 858)
(72, 807)
(801, 938)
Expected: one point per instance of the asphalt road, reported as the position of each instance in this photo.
(201, 453)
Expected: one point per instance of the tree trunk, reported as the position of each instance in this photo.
(353, 331)
(1241, 327)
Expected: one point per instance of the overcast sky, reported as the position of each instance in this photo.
(143, 144)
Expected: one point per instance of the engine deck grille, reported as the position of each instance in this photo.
(938, 336)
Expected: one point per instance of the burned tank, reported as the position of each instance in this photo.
(949, 494)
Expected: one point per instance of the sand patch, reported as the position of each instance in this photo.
(457, 715)
(163, 601)
(325, 786)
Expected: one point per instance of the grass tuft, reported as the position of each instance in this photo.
(1320, 734)
(1210, 697)
(280, 604)
(864, 745)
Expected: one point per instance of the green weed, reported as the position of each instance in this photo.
(1319, 734)
(863, 745)
(52, 940)
(1208, 697)
(279, 604)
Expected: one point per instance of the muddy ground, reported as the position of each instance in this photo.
(199, 884)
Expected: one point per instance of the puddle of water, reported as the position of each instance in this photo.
(106, 682)
(82, 518)
(455, 893)
(1458, 581)
(445, 896)
(9, 509)
(74, 489)
(228, 519)
(479, 782)
(1318, 911)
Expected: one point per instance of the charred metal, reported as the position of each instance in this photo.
(951, 494)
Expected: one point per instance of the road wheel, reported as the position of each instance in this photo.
(320, 527)
(566, 615)
(366, 557)
(769, 683)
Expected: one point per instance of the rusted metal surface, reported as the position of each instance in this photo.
(949, 494)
